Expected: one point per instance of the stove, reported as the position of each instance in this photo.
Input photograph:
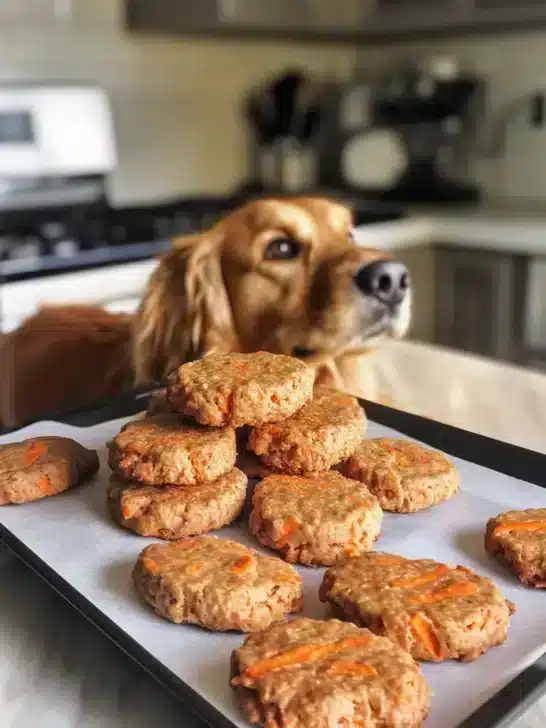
(57, 151)
(42, 242)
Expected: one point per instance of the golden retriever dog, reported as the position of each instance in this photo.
(281, 275)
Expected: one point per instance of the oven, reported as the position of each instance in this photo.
(61, 242)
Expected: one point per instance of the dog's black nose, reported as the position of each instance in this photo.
(386, 280)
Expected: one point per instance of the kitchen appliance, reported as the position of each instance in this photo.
(405, 137)
(60, 239)
(284, 117)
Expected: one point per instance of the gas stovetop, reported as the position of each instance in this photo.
(35, 243)
(38, 243)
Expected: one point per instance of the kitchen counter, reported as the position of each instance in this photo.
(490, 398)
(22, 269)
(496, 225)
(59, 672)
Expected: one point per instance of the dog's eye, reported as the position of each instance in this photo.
(283, 249)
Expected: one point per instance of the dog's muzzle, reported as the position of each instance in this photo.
(388, 281)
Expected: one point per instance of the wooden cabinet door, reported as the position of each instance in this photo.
(326, 17)
(310, 15)
(406, 15)
(172, 17)
(475, 302)
(499, 11)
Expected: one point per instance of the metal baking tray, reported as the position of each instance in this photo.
(489, 693)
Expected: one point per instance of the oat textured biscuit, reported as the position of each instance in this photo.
(519, 539)
(432, 610)
(43, 466)
(217, 584)
(404, 476)
(175, 512)
(162, 450)
(326, 430)
(315, 520)
(319, 674)
(240, 389)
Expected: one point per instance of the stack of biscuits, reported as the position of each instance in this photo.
(182, 471)
(173, 478)
(175, 474)
(323, 487)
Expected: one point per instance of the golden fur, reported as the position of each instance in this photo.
(215, 291)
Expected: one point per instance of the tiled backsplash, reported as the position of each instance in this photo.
(513, 66)
(177, 103)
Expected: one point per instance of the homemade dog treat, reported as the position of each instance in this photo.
(404, 476)
(175, 512)
(162, 450)
(432, 610)
(217, 584)
(43, 466)
(320, 674)
(315, 520)
(519, 539)
(241, 389)
(323, 432)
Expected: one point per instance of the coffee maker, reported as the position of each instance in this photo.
(426, 126)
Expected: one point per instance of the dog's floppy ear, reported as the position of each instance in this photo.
(185, 312)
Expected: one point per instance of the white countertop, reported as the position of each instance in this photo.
(56, 671)
(491, 227)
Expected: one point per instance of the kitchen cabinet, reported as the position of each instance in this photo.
(479, 302)
(420, 261)
(393, 16)
(328, 20)
(303, 18)
(499, 11)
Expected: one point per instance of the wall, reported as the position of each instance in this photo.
(177, 103)
(513, 65)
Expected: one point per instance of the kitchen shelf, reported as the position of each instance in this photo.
(359, 21)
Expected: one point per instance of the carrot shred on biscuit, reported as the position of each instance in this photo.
(150, 565)
(519, 527)
(288, 527)
(360, 669)
(187, 543)
(299, 656)
(460, 589)
(35, 451)
(44, 484)
(243, 564)
(425, 633)
(414, 581)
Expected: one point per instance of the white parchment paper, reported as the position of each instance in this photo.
(74, 535)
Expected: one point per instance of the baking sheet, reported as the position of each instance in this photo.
(73, 534)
